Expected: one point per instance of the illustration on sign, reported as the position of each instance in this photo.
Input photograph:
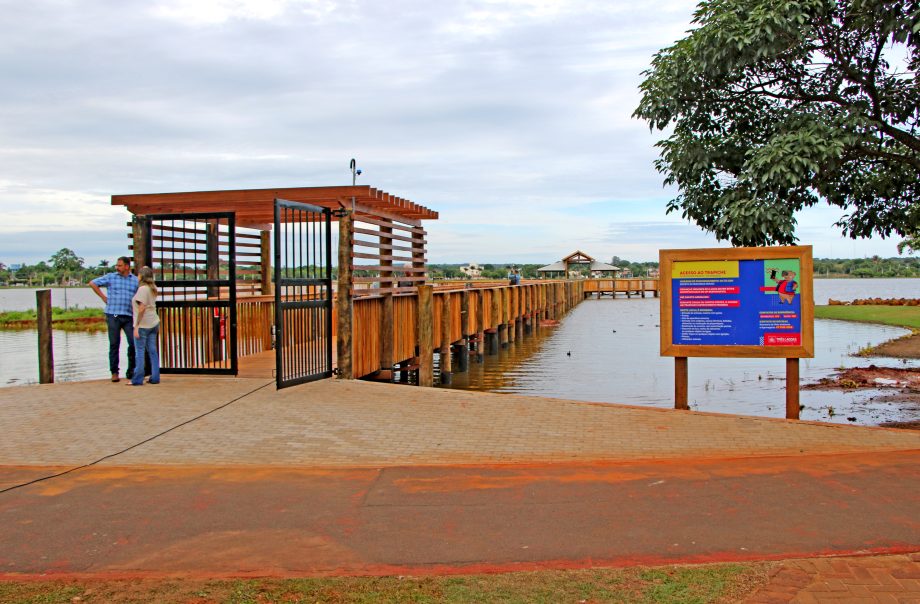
(736, 303)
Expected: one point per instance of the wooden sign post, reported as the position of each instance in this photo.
(737, 302)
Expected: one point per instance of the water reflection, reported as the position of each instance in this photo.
(77, 356)
(615, 358)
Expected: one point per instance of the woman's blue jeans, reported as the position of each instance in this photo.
(146, 343)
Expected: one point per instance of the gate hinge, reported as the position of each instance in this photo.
(340, 212)
(336, 371)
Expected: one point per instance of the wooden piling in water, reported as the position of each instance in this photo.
(481, 327)
(463, 347)
(446, 365)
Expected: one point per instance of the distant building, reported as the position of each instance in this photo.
(471, 270)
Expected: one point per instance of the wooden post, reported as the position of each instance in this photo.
(555, 302)
(344, 302)
(526, 309)
(444, 354)
(494, 337)
(139, 228)
(265, 247)
(425, 336)
(680, 383)
(507, 316)
(387, 321)
(511, 313)
(792, 389)
(386, 310)
(463, 358)
(45, 344)
(481, 323)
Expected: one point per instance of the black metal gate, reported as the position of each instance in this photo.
(193, 257)
(303, 293)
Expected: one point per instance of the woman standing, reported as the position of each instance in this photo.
(146, 328)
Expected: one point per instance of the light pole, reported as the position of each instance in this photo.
(355, 171)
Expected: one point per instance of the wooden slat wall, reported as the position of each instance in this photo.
(248, 253)
(188, 339)
(254, 320)
(389, 255)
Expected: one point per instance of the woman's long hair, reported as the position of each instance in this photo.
(145, 275)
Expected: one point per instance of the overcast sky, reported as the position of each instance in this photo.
(510, 118)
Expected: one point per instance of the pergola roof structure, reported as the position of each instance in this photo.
(255, 207)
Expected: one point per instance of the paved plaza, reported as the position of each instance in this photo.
(336, 423)
(229, 477)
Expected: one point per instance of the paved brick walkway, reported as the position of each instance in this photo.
(335, 423)
(870, 580)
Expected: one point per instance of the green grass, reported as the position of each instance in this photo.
(57, 314)
(901, 316)
(671, 584)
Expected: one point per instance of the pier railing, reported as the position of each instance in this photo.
(459, 319)
(451, 319)
(638, 286)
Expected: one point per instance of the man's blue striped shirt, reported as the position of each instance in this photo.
(120, 291)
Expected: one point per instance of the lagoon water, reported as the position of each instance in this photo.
(615, 358)
(614, 346)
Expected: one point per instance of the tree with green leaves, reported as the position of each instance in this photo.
(66, 260)
(778, 105)
(911, 245)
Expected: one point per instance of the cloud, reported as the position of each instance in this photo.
(511, 118)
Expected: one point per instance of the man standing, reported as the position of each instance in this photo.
(121, 287)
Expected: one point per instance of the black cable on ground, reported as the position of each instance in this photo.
(135, 445)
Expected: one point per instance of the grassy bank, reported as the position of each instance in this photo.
(697, 584)
(72, 319)
(899, 316)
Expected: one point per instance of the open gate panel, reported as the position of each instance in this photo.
(303, 292)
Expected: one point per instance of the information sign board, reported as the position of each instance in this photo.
(743, 302)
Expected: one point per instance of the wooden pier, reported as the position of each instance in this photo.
(451, 322)
(629, 287)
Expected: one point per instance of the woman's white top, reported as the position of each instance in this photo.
(145, 296)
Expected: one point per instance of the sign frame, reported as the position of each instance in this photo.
(802, 253)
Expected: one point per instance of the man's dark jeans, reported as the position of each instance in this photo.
(119, 324)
